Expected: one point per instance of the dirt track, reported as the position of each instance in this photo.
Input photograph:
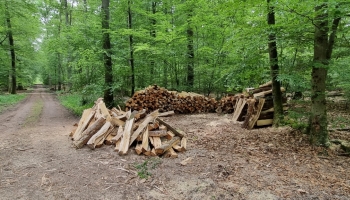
(37, 161)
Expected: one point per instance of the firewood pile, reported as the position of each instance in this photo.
(148, 134)
(155, 97)
(228, 103)
(255, 108)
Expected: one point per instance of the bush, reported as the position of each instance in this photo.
(10, 99)
(74, 102)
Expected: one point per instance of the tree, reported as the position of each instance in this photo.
(131, 49)
(323, 48)
(108, 91)
(12, 50)
(190, 51)
(274, 68)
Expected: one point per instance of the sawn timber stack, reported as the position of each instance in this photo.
(147, 134)
(255, 107)
(155, 97)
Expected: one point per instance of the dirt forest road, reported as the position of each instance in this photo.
(37, 161)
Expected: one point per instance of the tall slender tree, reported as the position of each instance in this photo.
(190, 50)
(108, 91)
(12, 50)
(274, 67)
(131, 49)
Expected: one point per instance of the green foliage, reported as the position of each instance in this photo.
(7, 100)
(25, 27)
(91, 93)
(74, 102)
(143, 168)
(298, 115)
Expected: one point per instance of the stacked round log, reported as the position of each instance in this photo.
(155, 97)
(227, 104)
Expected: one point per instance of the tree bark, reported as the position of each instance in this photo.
(153, 35)
(190, 52)
(274, 68)
(108, 92)
(131, 48)
(323, 47)
(12, 50)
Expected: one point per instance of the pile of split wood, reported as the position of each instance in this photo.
(255, 107)
(147, 134)
(154, 97)
(227, 104)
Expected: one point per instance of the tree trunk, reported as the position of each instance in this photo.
(323, 47)
(108, 92)
(131, 48)
(274, 68)
(190, 53)
(153, 35)
(12, 51)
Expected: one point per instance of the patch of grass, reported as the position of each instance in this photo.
(74, 102)
(7, 100)
(34, 113)
(142, 168)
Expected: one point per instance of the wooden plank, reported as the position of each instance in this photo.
(153, 126)
(239, 108)
(177, 148)
(117, 122)
(264, 122)
(93, 140)
(162, 127)
(178, 133)
(145, 143)
(264, 93)
(184, 144)
(108, 140)
(160, 150)
(170, 153)
(114, 131)
(85, 120)
(143, 126)
(117, 145)
(89, 132)
(256, 114)
(169, 135)
(272, 110)
(124, 144)
(138, 148)
(100, 141)
(101, 107)
(153, 152)
(159, 133)
(141, 114)
(267, 84)
(167, 114)
(250, 112)
(155, 141)
(119, 134)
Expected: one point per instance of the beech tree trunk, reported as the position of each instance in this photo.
(323, 47)
(131, 48)
(108, 92)
(12, 51)
(153, 35)
(274, 69)
(190, 53)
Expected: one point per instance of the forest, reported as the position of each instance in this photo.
(113, 48)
